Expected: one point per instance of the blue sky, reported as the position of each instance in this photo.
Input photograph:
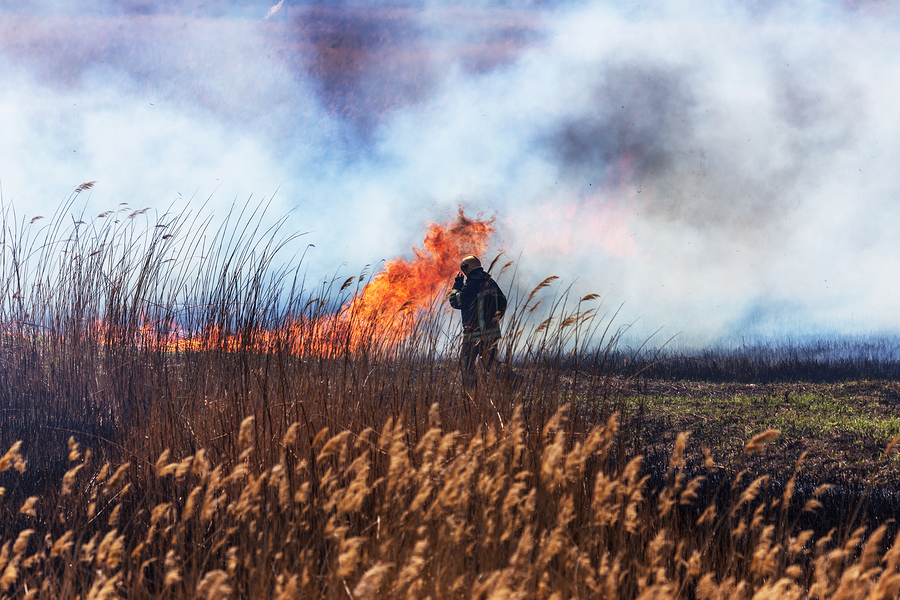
(721, 171)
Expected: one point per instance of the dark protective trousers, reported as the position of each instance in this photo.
(470, 351)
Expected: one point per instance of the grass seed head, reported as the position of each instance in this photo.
(116, 480)
(760, 441)
(245, 436)
(22, 541)
(74, 452)
(28, 507)
(13, 458)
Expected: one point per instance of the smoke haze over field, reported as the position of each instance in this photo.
(722, 171)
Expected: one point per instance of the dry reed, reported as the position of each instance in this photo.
(142, 468)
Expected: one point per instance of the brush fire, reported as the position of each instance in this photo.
(383, 312)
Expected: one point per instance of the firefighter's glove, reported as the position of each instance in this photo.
(458, 282)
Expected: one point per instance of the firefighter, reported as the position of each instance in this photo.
(482, 304)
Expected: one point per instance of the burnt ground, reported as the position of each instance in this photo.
(843, 428)
(842, 431)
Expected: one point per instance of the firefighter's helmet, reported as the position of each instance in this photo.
(469, 263)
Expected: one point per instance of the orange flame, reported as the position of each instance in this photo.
(410, 286)
(383, 311)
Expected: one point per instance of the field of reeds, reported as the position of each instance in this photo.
(186, 417)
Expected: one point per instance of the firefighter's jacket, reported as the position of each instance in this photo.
(482, 304)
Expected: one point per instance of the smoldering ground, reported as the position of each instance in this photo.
(722, 171)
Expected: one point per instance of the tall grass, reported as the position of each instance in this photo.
(186, 417)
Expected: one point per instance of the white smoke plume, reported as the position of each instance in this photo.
(723, 170)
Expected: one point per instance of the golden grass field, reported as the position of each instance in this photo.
(224, 467)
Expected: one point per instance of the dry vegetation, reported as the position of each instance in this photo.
(214, 469)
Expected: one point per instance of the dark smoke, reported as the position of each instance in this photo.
(638, 126)
(370, 62)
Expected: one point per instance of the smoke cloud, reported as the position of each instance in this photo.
(720, 171)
